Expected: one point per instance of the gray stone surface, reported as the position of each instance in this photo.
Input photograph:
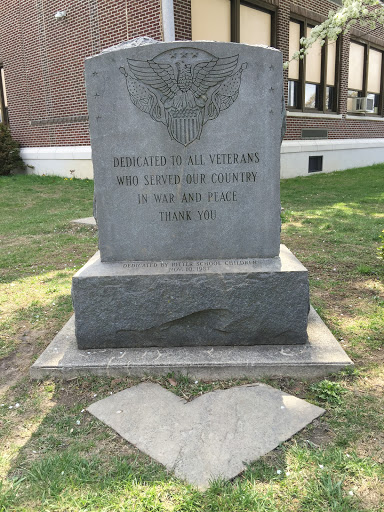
(189, 303)
(211, 437)
(186, 150)
(319, 357)
(88, 221)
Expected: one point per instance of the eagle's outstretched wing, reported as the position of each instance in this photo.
(209, 74)
(159, 76)
(142, 97)
(228, 91)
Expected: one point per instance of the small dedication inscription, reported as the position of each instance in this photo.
(195, 266)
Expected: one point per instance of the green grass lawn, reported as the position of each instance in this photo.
(56, 457)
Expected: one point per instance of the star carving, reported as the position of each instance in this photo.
(184, 55)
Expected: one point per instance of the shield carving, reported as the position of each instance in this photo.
(183, 88)
(185, 125)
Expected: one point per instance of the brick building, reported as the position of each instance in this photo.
(335, 107)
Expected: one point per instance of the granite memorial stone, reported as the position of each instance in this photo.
(186, 152)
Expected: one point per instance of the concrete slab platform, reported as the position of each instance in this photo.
(211, 437)
(319, 357)
(89, 221)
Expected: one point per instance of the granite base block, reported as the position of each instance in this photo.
(191, 303)
(319, 357)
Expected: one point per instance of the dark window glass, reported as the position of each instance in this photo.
(293, 94)
(315, 163)
(330, 98)
(375, 102)
(312, 96)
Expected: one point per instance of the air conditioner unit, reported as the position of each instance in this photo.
(363, 104)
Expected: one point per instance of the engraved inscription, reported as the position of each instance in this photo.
(168, 181)
(188, 266)
(184, 89)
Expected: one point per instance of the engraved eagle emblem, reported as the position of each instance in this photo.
(183, 88)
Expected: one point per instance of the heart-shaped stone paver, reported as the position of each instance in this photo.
(211, 437)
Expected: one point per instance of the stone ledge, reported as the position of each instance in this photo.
(321, 356)
(313, 115)
(88, 221)
(302, 146)
(57, 153)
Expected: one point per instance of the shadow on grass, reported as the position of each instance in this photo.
(35, 256)
(35, 324)
(65, 465)
(73, 462)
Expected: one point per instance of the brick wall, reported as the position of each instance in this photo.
(43, 61)
(183, 28)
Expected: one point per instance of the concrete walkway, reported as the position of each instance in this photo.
(211, 437)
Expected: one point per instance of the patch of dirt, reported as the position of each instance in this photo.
(375, 383)
(274, 458)
(86, 391)
(17, 364)
(116, 446)
(371, 495)
(372, 446)
(376, 356)
(317, 434)
(292, 386)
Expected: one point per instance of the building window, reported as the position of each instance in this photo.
(311, 81)
(364, 79)
(294, 89)
(312, 89)
(255, 25)
(3, 99)
(241, 22)
(315, 163)
(202, 14)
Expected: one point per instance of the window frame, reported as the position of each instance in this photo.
(255, 4)
(260, 5)
(3, 107)
(304, 24)
(364, 93)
